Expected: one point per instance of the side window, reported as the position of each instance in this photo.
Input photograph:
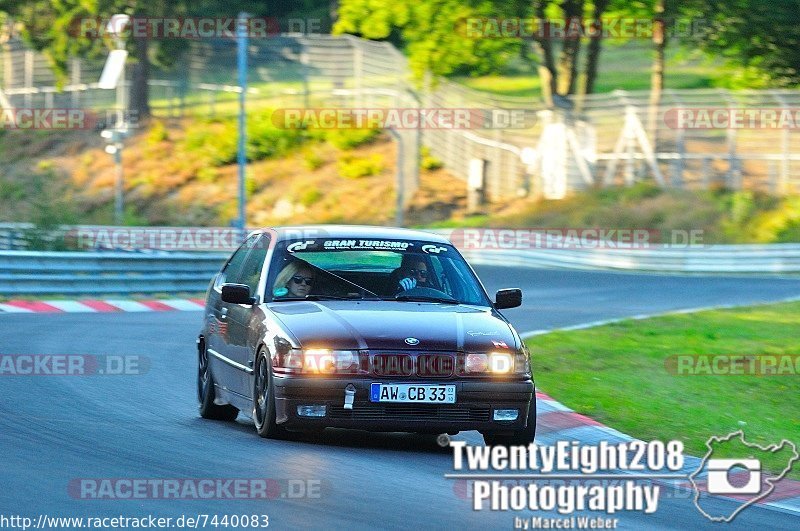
(437, 279)
(251, 269)
(232, 271)
(463, 288)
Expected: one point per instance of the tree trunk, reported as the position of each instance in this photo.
(333, 11)
(140, 91)
(545, 45)
(657, 74)
(568, 59)
(595, 45)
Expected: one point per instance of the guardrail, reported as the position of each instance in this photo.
(714, 259)
(32, 272)
(72, 273)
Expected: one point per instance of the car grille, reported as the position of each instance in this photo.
(392, 365)
(435, 365)
(408, 364)
(410, 412)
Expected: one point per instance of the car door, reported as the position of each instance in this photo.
(241, 329)
(219, 349)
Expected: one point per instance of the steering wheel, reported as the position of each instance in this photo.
(423, 291)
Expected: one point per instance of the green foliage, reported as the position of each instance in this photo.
(51, 202)
(265, 140)
(428, 161)
(157, 134)
(639, 191)
(11, 191)
(432, 32)
(214, 143)
(309, 196)
(353, 167)
(475, 220)
(761, 35)
(249, 186)
(130, 217)
(780, 224)
(217, 141)
(207, 174)
(312, 160)
(619, 374)
(724, 216)
(45, 165)
(742, 206)
(351, 138)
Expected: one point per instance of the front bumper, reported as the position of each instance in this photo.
(473, 410)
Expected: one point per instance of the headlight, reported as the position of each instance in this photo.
(476, 363)
(496, 363)
(501, 362)
(322, 361)
(522, 363)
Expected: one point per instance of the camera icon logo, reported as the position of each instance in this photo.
(720, 471)
(742, 477)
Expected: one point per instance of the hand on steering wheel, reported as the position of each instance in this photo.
(408, 283)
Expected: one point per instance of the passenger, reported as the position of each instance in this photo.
(295, 280)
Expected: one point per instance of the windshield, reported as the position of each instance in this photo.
(401, 270)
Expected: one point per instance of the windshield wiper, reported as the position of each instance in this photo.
(353, 296)
(423, 298)
(334, 275)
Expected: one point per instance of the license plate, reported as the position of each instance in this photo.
(416, 393)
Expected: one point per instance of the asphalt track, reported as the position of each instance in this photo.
(56, 429)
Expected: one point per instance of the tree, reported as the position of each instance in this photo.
(54, 28)
(68, 28)
(429, 33)
(761, 35)
(434, 33)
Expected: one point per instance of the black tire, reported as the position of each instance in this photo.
(205, 392)
(521, 437)
(264, 399)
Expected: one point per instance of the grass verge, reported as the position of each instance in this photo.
(617, 374)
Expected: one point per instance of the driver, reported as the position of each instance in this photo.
(414, 274)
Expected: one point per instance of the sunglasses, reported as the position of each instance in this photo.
(420, 272)
(297, 279)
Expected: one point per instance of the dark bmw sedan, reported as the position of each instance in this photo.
(362, 327)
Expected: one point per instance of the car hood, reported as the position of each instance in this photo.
(386, 325)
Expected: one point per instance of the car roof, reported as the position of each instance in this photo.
(352, 231)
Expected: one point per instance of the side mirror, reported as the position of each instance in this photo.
(237, 294)
(508, 298)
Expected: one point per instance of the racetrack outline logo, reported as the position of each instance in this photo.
(773, 448)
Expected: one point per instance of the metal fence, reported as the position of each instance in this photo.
(774, 259)
(34, 272)
(71, 273)
(604, 139)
